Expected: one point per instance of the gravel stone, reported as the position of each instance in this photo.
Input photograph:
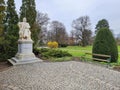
(70, 75)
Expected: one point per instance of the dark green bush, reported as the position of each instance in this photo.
(36, 51)
(8, 48)
(56, 53)
(63, 45)
(39, 51)
(105, 44)
(42, 50)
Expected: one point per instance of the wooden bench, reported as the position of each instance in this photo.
(108, 60)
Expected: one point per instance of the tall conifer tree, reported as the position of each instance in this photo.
(2, 15)
(105, 44)
(28, 10)
(11, 28)
(2, 39)
(11, 19)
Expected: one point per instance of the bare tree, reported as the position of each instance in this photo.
(57, 32)
(42, 20)
(82, 29)
(72, 38)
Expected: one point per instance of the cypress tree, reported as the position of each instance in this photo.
(11, 28)
(105, 44)
(2, 39)
(11, 19)
(101, 24)
(28, 10)
(2, 15)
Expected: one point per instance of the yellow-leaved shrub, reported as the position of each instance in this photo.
(53, 44)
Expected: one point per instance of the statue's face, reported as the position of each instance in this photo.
(24, 20)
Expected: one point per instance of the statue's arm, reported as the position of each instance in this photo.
(19, 24)
(28, 26)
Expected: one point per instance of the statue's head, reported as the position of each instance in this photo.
(24, 19)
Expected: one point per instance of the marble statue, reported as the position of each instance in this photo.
(25, 53)
(24, 32)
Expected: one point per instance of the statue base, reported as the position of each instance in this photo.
(25, 53)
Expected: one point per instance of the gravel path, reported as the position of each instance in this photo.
(59, 76)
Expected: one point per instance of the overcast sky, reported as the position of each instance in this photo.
(66, 11)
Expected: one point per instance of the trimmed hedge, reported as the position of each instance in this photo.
(105, 44)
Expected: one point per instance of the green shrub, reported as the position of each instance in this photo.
(105, 44)
(43, 50)
(47, 53)
(40, 51)
(36, 51)
(8, 48)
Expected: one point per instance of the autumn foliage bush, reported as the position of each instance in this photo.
(53, 44)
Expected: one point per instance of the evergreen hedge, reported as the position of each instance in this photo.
(48, 53)
(105, 44)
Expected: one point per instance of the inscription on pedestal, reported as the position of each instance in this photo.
(24, 54)
(25, 48)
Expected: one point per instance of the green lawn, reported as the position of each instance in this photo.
(78, 51)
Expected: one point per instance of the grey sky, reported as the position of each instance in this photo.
(66, 11)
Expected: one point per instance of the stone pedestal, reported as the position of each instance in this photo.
(25, 53)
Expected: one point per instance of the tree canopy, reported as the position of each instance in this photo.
(82, 30)
(101, 24)
(57, 32)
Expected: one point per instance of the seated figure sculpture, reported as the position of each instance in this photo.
(24, 32)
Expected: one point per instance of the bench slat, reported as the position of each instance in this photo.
(100, 59)
(99, 55)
